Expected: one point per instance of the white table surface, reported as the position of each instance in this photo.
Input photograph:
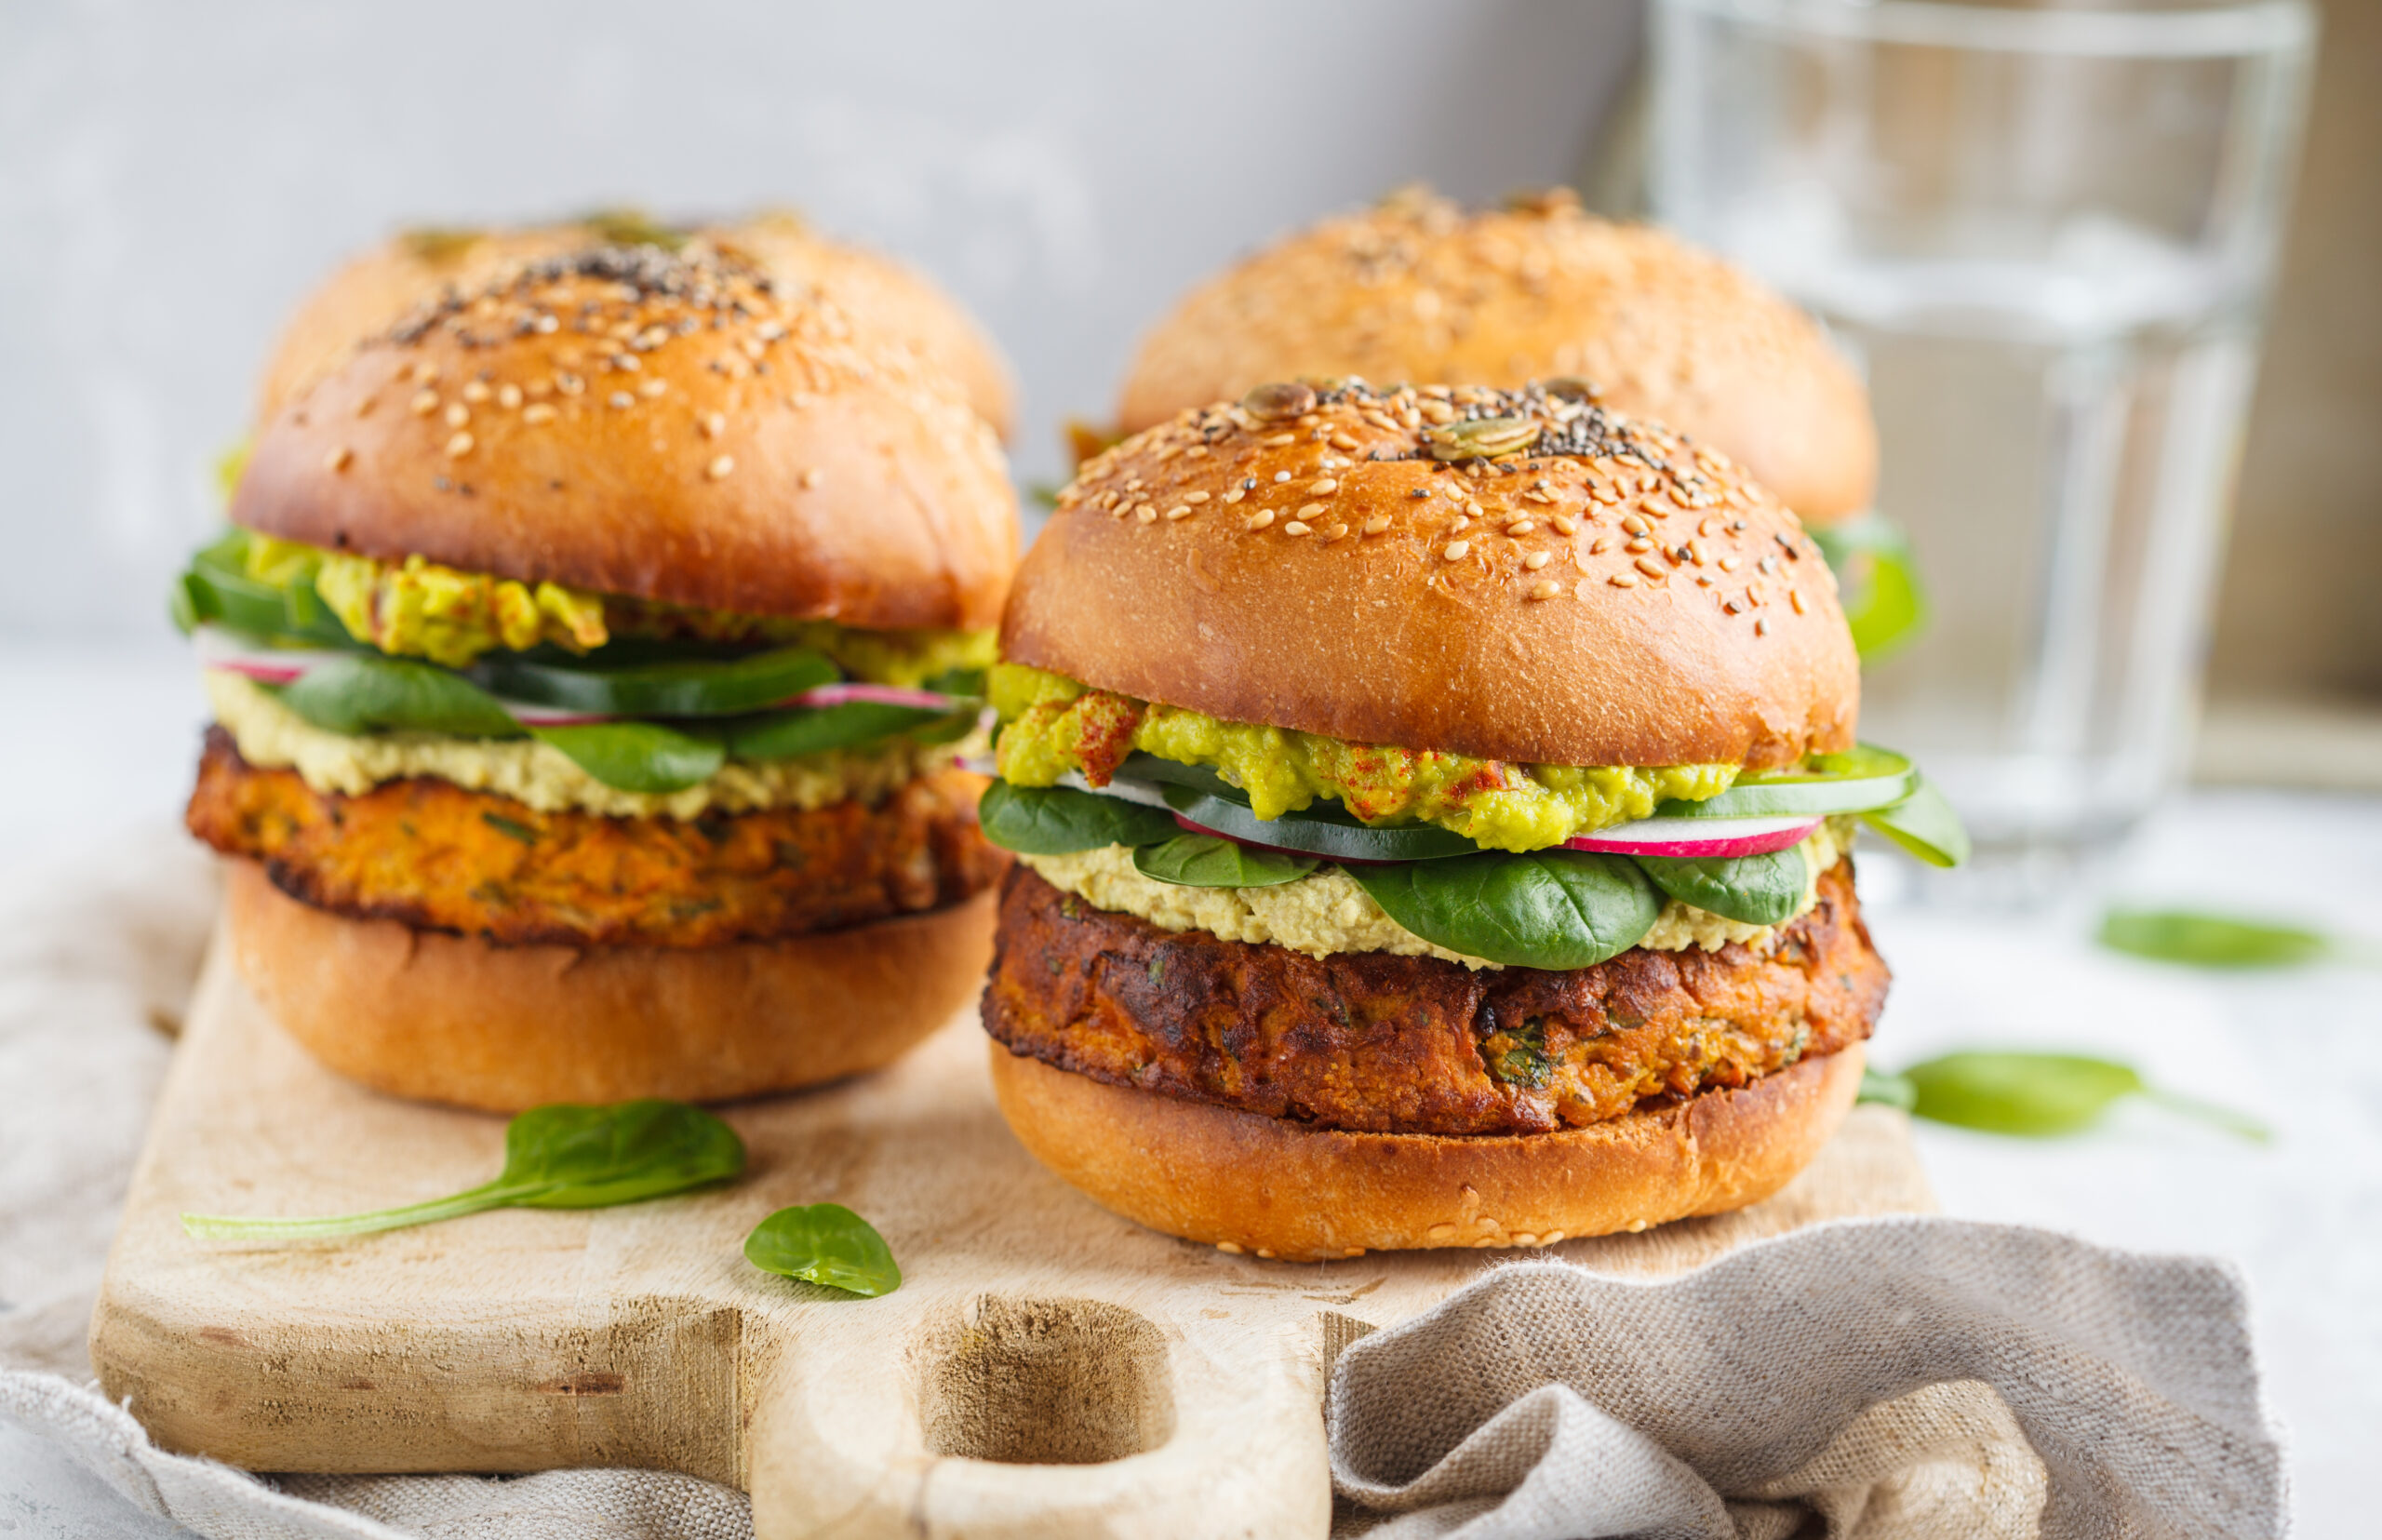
(105, 739)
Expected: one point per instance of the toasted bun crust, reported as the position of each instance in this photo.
(444, 1018)
(1415, 289)
(1391, 600)
(1279, 1188)
(890, 301)
(681, 428)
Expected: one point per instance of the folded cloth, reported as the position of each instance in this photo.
(1880, 1380)
(1900, 1378)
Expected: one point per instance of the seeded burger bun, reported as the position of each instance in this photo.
(763, 462)
(1509, 609)
(1420, 594)
(1418, 290)
(894, 304)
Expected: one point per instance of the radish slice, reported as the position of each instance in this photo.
(1698, 837)
(270, 665)
(883, 695)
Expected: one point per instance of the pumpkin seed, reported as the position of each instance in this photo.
(1482, 438)
(1284, 398)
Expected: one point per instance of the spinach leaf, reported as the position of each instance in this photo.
(638, 757)
(369, 695)
(679, 687)
(1204, 861)
(559, 1156)
(1891, 1091)
(824, 1243)
(1758, 889)
(1058, 820)
(785, 734)
(1925, 825)
(2209, 941)
(215, 587)
(1557, 909)
(2043, 1095)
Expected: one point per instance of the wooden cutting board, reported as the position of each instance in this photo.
(1045, 1368)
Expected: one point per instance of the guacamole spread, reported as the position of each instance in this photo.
(417, 608)
(1051, 725)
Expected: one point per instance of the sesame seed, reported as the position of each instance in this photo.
(1146, 514)
(1280, 440)
(458, 415)
(1178, 512)
(1228, 1248)
(1378, 524)
(538, 412)
(1641, 544)
(1233, 496)
(1324, 487)
(1295, 527)
(810, 477)
(1651, 567)
(476, 391)
(458, 445)
(1336, 532)
(1281, 477)
(1460, 525)
(1760, 627)
(1311, 509)
(714, 423)
(508, 396)
(1259, 520)
(1455, 549)
(1795, 597)
(1195, 499)
(652, 388)
(1535, 561)
(1623, 580)
(424, 403)
(1544, 588)
(1730, 606)
(1635, 525)
(622, 399)
(629, 362)
(1342, 442)
(1520, 527)
(1730, 564)
(721, 466)
(1603, 543)
(1565, 525)
(569, 384)
(338, 461)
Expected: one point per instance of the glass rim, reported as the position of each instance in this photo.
(2255, 27)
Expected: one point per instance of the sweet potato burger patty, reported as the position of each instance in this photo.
(440, 857)
(1381, 1043)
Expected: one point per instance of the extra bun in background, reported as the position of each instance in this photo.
(1417, 290)
(1601, 593)
(721, 440)
(893, 304)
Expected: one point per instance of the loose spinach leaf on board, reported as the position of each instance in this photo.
(1204, 861)
(639, 756)
(1557, 909)
(1925, 825)
(2209, 941)
(358, 695)
(824, 1243)
(559, 1156)
(785, 734)
(1891, 1091)
(1758, 889)
(1058, 820)
(2044, 1095)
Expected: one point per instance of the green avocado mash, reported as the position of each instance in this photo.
(417, 608)
(1051, 725)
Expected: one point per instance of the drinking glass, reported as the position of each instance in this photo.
(2045, 234)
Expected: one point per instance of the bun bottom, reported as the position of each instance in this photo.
(1245, 1181)
(444, 1018)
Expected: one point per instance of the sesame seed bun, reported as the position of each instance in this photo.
(892, 300)
(1280, 1188)
(455, 1019)
(1417, 290)
(677, 427)
(1506, 609)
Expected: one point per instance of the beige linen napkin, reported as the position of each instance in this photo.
(1839, 1377)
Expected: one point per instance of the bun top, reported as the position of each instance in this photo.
(1521, 576)
(678, 427)
(897, 305)
(1416, 290)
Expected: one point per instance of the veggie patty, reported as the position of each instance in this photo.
(437, 856)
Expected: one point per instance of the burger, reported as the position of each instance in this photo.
(590, 656)
(1433, 810)
(893, 305)
(1418, 288)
